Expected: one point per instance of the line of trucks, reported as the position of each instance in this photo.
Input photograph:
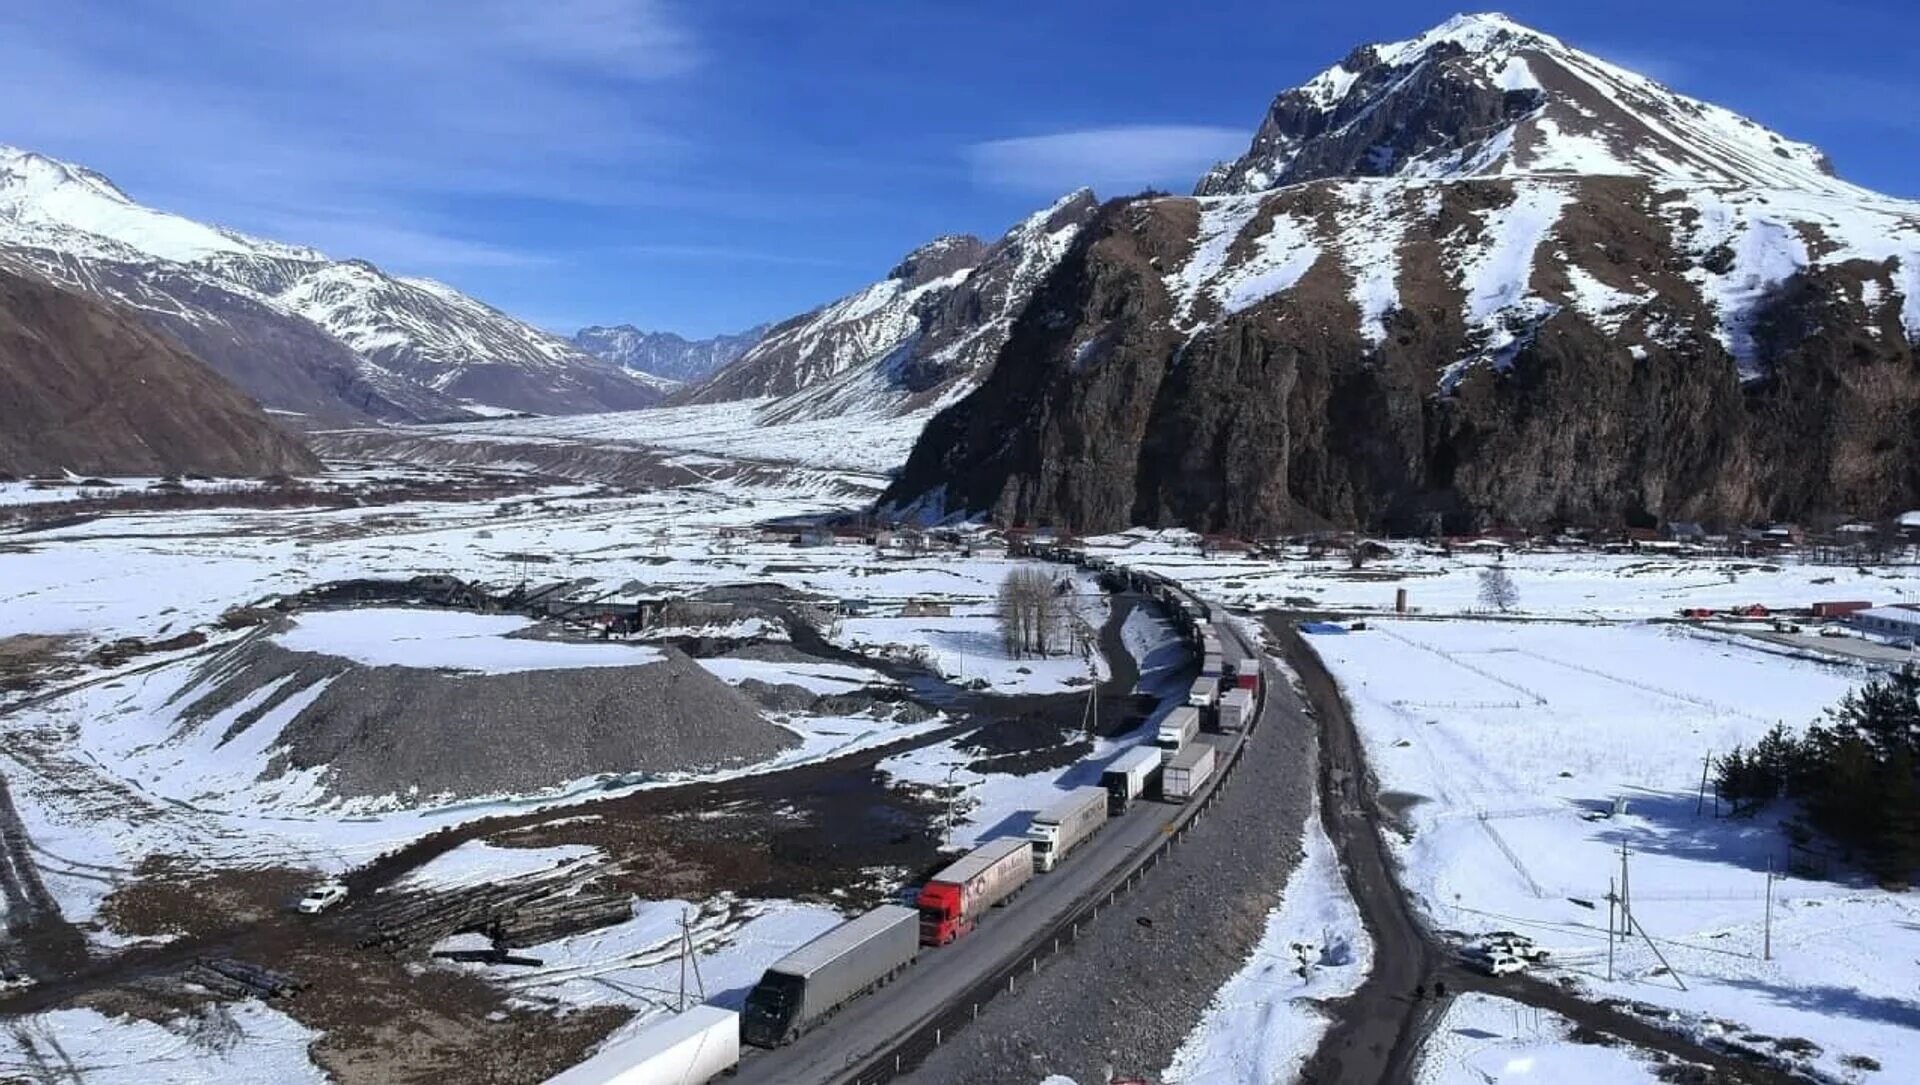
(810, 984)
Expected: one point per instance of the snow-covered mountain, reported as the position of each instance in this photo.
(1477, 275)
(665, 354)
(1481, 95)
(339, 341)
(925, 335)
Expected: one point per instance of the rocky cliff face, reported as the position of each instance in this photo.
(85, 387)
(1485, 350)
(1473, 278)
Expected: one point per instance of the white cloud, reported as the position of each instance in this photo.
(1108, 158)
(358, 123)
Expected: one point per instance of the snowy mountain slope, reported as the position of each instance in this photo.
(664, 354)
(924, 335)
(358, 344)
(1417, 297)
(1481, 95)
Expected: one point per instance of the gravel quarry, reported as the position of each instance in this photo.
(423, 734)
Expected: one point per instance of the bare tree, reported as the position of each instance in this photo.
(1497, 589)
(1035, 614)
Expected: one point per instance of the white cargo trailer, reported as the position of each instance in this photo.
(1062, 827)
(1127, 778)
(803, 987)
(1187, 772)
(1181, 727)
(1236, 709)
(688, 1048)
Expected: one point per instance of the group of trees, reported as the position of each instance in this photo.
(1038, 615)
(1853, 774)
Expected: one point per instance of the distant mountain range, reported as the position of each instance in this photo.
(332, 341)
(664, 354)
(1474, 277)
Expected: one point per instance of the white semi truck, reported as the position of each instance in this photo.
(1062, 827)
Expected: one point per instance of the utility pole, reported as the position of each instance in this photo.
(686, 957)
(953, 799)
(1611, 899)
(1626, 892)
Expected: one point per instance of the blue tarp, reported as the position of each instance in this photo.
(1321, 627)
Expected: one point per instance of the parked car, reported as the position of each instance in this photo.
(1833, 630)
(321, 897)
(1500, 964)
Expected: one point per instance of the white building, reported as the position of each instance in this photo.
(1896, 622)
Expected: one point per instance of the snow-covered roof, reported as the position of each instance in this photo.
(1899, 615)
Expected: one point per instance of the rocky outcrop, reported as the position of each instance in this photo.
(1481, 95)
(1596, 350)
(85, 387)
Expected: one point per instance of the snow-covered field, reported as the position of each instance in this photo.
(872, 442)
(242, 1041)
(1268, 1019)
(1507, 745)
(993, 805)
(636, 964)
(1560, 583)
(966, 647)
(1483, 1040)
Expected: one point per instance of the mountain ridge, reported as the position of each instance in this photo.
(365, 345)
(667, 355)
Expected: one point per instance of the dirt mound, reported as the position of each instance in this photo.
(430, 735)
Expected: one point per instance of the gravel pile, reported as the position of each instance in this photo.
(390, 730)
(1126, 996)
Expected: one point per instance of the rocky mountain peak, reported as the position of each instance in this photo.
(938, 259)
(1482, 95)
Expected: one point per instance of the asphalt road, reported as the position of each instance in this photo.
(943, 977)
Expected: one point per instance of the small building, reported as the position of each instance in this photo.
(926, 608)
(1686, 532)
(1897, 623)
(1840, 609)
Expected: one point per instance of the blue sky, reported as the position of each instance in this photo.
(702, 166)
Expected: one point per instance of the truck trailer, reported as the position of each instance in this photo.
(839, 966)
(1249, 676)
(1236, 709)
(1187, 772)
(1203, 691)
(1062, 827)
(1180, 727)
(952, 903)
(689, 1048)
(1212, 666)
(1128, 777)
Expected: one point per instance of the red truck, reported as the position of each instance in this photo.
(952, 903)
